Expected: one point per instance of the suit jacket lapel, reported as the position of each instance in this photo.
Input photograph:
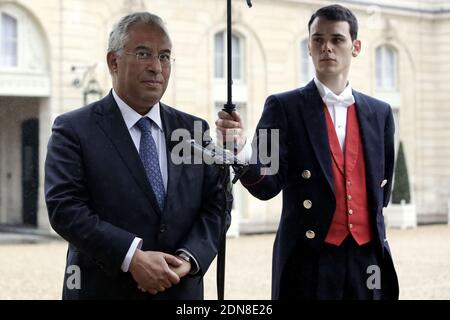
(336, 152)
(111, 121)
(314, 120)
(352, 151)
(171, 122)
(368, 123)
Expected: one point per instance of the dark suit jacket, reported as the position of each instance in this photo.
(304, 145)
(99, 199)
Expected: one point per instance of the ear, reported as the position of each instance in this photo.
(309, 49)
(111, 59)
(356, 48)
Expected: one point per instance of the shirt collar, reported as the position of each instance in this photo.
(324, 90)
(130, 116)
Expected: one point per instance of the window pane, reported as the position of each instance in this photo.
(378, 67)
(386, 68)
(8, 55)
(390, 68)
(236, 55)
(219, 55)
(306, 65)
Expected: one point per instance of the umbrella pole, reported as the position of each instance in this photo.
(226, 182)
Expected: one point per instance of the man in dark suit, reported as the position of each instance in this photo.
(336, 156)
(138, 225)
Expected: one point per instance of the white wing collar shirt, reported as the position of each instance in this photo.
(337, 107)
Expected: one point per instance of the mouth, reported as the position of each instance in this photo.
(152, 83)
(327, 60)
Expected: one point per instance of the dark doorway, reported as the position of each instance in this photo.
(30, 171)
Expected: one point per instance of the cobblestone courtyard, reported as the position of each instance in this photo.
(422, 257)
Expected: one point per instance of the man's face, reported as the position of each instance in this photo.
(141, 83)
(331, 48)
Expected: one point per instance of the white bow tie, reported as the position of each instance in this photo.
(344, 101)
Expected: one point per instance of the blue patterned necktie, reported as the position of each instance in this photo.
(150, 160)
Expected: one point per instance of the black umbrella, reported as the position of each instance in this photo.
(228, 107)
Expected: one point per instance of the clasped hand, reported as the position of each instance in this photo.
(157, 271)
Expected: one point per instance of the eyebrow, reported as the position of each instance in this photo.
(148, 49)
(339, 35)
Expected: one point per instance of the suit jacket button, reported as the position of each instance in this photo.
(310, 234)
(306, 174)
(162, 228)
(307, 204)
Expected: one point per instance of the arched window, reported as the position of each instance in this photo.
(386, 68)
(220, 56)
(307, 72)
(8, 41)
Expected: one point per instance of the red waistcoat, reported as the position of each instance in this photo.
(349, 173)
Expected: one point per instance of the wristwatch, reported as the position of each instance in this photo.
(185, 257)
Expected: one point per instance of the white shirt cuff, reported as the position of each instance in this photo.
(136, 244)
(194, 266)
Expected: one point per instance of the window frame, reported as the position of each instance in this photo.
(220, 75)
(386, 76)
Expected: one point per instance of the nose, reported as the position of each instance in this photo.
(154, 64)
(326, 47)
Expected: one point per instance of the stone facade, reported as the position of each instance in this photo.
(62, 44)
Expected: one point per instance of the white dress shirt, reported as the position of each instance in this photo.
(337, 107)
(131, 117)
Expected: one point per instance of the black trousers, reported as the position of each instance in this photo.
(345, 272)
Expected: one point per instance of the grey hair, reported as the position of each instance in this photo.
(119, 34)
